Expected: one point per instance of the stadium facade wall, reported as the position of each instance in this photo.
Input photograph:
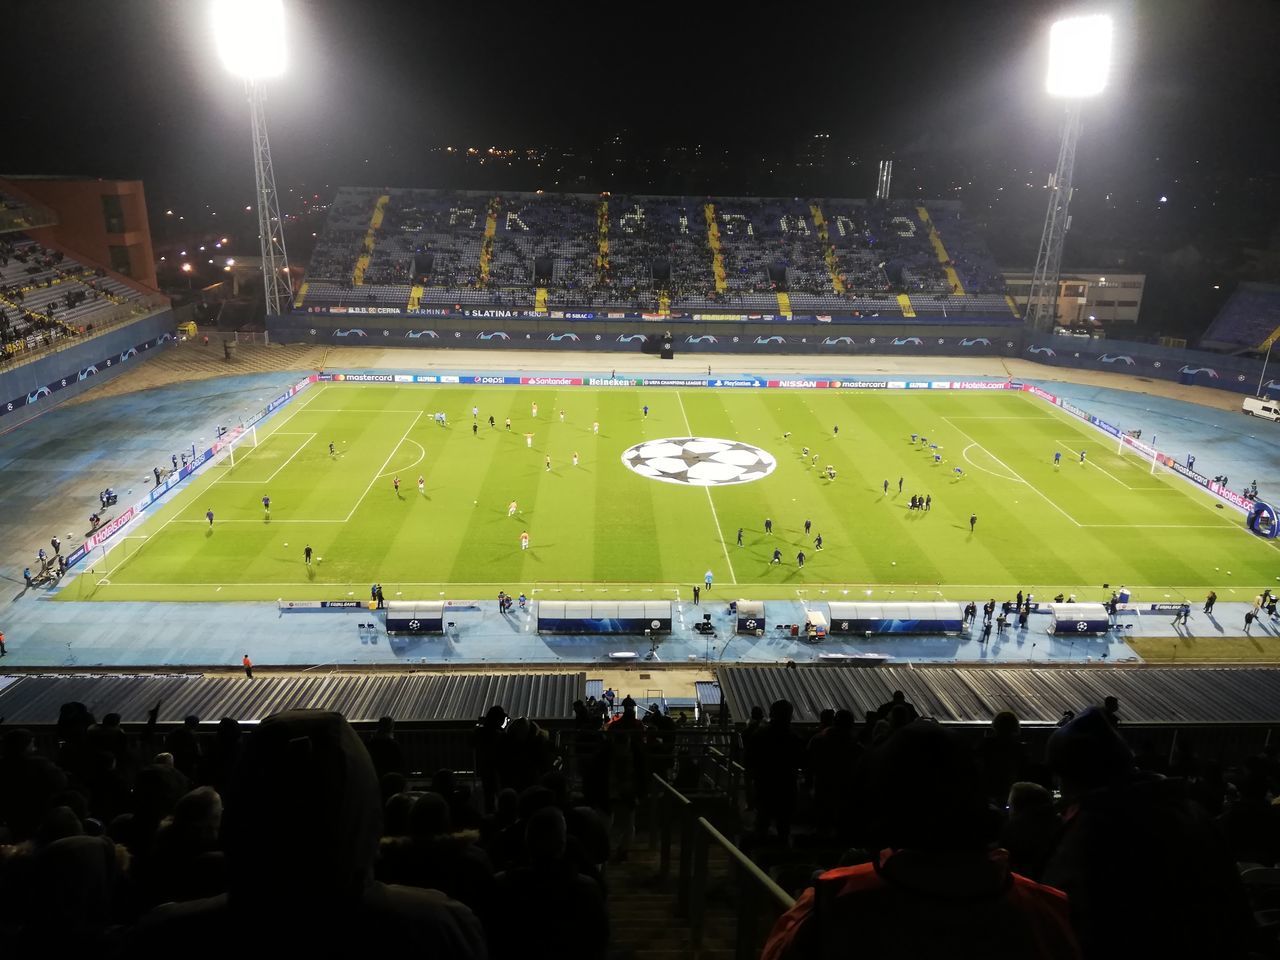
(29, 390)
(864, 336)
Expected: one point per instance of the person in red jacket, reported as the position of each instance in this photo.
(935, 889)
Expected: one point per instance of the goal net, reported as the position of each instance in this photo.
(233, 445)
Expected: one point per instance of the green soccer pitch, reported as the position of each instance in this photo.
(599, 529)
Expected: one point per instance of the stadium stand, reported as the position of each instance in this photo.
(125, 833)
(1247, 320)
(45, 294)
(394, 248)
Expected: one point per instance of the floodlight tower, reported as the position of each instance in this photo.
(250, 39)
(1079, 59)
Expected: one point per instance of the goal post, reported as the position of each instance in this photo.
(233, 440)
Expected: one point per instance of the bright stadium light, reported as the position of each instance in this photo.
(1079, 61)
(249, 35)
(1079, 57)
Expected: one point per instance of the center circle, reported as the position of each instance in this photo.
(699, 461)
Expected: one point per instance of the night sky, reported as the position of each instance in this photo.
(132, 88)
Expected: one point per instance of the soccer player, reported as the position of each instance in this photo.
(332, 452)
(768, 525)
(1082, 456)
(900, 484)
(511, 509)
(1057, 458)
(475, 413)
(928, 500)
(817, 542)
(491, 423)
(804, 451)
(548, 463)
(575, 458)
(800, 559)
(831, 472)
(396, 483)
(959, 473)
(266, 505)
(646, 411)
(815, 460)
(777, 556)
(808, 525)
(528, 440)
(886, 486)
(508, 424)
(835, 431)
(422, 484)
(475, 429)
(562, 416)
(973, 521)
(786, 435)
(595, 427)
(534, 409)
(707, 580)
(739, 536)
(524, 540)
(209, 516)
(306, 554)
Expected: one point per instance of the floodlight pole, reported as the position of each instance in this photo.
(277, 287)
(1042, 305)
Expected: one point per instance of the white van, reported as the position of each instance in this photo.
(1257, 407)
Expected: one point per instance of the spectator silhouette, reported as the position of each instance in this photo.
(834, 754)
(434, 857)
(300, 833)
(885, 712)
(1002, 756)
(1132, 846)
(28, 783)
(934, 890)
(778, 754)
(1031, 829)
(386, 753)
(545, 909)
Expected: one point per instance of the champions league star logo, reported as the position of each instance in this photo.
(699, 461)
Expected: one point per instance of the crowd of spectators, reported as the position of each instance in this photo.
(1093, 847)
(294, 835)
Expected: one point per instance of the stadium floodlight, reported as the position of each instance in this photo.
(1079, 57)
(250, 38)
(1079, 62)
(249, 35)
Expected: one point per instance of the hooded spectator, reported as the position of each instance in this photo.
(300, 833)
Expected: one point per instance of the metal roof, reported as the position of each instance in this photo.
(36, 699)
(1148, 695)
(707, 692)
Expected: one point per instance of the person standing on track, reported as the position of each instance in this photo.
(248, 666)
(1209, 601)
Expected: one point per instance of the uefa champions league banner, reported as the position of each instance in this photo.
(85, 373)
(116, 524)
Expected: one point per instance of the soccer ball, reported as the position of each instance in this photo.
(699, 461)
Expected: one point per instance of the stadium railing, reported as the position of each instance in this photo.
(758, 900)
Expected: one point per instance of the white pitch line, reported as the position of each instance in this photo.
(733, 577)
(303, 446)
(1015, 473)
(378, 476)
(178, 510)
(422, 455)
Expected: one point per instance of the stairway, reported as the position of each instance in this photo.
(642, 912)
